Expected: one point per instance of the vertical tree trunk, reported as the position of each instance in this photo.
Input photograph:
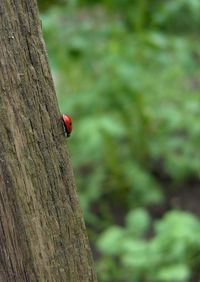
(42, 233)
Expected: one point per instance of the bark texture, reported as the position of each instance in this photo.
(42, 233)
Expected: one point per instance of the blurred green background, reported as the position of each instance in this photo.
(128, 72)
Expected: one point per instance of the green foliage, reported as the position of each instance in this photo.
(112, 88)
(128, 74)
(166, 257)
(46, 4)
(170, 15)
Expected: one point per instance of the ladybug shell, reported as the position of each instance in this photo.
(67, 124)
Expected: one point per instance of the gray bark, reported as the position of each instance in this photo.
(42, 233)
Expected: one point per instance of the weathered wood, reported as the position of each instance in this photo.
(42, 233)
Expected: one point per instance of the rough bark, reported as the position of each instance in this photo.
(42, 233)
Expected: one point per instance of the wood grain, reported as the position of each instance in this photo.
(42, 232)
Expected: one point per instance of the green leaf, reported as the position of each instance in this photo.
(137, 222)
(110, 241)
(173, 273)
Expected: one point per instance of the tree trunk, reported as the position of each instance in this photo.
(42, 233)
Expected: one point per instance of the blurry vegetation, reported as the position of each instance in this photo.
(128, 73)
(168, 256)
(46, 4)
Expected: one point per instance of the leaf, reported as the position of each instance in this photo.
(110, 241)
(137, 222)
(173, 273)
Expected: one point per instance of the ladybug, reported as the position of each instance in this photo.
(67, 124)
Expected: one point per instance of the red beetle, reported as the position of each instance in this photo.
(67, 124)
